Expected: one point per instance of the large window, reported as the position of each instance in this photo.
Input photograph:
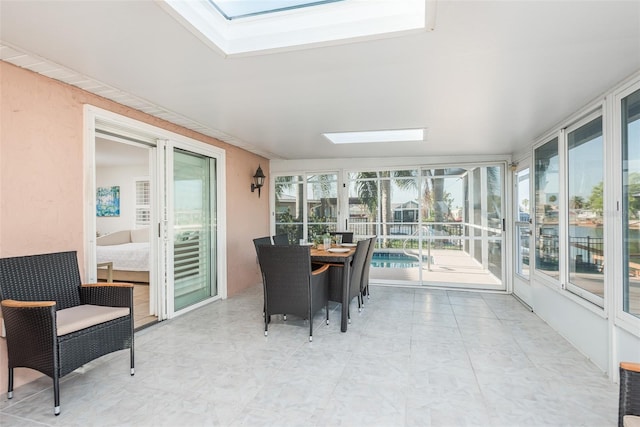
(384, 203)
(290, 206)
(631, 202)
(322, 204)
(569, 221)
(585, 245)
(434, 225)
(306, 205)
(547, 185)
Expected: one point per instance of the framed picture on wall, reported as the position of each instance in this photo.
(108, 201)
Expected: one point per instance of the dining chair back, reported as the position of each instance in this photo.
(281, 239)
(364, 284)
(261, 241)
(357, 268)
(347, 236)
(290, 285)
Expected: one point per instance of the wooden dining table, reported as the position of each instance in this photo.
(341, 260)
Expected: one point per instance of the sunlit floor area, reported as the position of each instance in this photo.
(412, 357)
(141, 316)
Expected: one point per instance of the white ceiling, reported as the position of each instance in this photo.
(491, 77)
(109, 153)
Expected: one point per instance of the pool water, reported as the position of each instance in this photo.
(393, 260)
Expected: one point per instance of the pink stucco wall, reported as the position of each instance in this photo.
(42, 171)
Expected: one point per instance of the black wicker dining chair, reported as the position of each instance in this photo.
(364, 285)
(290, 286)
(357, 269)
(261, 241)
(629, 407)
(347, 236)
(53, 323)
(258, 242)
(281, 239)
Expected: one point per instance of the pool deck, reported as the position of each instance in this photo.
(448, 268)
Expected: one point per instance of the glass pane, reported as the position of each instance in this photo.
(476, 218)
(234, 9)
(523, 229)
(363, 203)
(322, 204)
(547, 184)
(193, 244)
(631, 202)
(494, 219)
(443, 206)
(432, 223)
(290, 206)
(522, 246)
(585, 160)
(399, 208)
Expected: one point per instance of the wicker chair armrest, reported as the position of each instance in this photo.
(320, 277)
(629, 366)
(320, 270)
(30, 331)
(116, 284)
(107, 294)
(26, 304)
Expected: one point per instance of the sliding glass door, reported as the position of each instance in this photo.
(176, 204)
(194, 243)
(440, 226)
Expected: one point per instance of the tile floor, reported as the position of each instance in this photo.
(413, 357)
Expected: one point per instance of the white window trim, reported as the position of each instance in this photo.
(622, 319)
(564, 207)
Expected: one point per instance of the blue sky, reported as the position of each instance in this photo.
(238, 8)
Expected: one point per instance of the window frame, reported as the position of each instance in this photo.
(622, 319)
(536, 272)
(564, 208)
(518, 225)
(560, 283)
(305, 195)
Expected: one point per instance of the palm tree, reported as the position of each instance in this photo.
(372, 187)
(577, 202)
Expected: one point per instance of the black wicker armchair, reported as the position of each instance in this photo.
(290, 286)
(629, 408)
(53, 323)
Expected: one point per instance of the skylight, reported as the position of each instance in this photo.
(234, 9)
(397, 135)
(274, 25)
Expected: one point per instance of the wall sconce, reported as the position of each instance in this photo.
(258, 180)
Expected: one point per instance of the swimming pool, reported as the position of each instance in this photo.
(393, 260)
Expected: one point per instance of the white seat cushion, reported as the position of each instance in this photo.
(82, 316)
(631, 421)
